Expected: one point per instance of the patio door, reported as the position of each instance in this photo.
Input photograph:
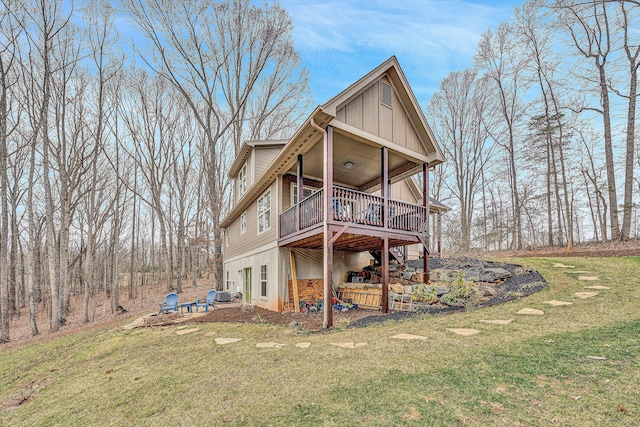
(247, 285)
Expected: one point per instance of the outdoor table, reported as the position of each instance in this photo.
(191, 305)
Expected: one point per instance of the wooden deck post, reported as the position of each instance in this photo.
(384, 259)
(300, 191)
(425, 203)
(327, 213)
(384, 186)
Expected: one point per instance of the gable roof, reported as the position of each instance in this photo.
(245, 150)
(391, 68)
(307, 134)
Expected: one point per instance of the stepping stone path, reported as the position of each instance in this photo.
(560, 265)
(597, 358)
(349, 344)
(585, 295)
(303, 344)
(498, 321)
(531, 311)
(222, 341)
(186, 331)
(597, 287)
(269, 345)
(582, 272)
(209, 334)
(466, 332)
(588, 278)
(409, 337)
(555, 303)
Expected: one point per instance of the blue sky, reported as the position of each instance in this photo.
(341, 40)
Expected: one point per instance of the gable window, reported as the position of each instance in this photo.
(242, 180)
(264, 212)
(386, 94)
(263, 281)
(306, 192)
(243, 222)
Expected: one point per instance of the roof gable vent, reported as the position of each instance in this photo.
(386, 94)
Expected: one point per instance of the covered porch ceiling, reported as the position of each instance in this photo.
(356, 164)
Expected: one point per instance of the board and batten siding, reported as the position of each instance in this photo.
(366, 112)
(241, 243)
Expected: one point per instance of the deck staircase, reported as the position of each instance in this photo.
(397, 254)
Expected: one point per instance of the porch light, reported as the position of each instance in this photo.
(348, 164)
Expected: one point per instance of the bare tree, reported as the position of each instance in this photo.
(9, 32)
(459, 109)
(627, 22)
(219, 55)
(503, 66)
(537, 39)
(151, 116)
(101, 37)
(588, 27)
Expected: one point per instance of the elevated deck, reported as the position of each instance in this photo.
(360, 220)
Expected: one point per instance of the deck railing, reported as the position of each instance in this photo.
(354, 207)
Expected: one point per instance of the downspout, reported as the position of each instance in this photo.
(327, 259)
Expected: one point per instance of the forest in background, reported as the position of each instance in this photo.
(539, 136)
(114, 154)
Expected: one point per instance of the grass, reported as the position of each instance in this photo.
(534, 371)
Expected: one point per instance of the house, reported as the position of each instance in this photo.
(326, 194)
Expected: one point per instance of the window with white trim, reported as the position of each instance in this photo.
(226, 237)
(264, 212)
(242, 180)
(243, 222)
(228, 284)
(263, 281)
(306, 192)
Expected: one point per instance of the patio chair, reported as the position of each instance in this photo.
(170, 303)
(210, 301)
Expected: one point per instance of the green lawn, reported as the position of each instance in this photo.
(533, 371)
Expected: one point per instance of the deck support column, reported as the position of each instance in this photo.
(384, 186)
(384, 259)
(327, 214)
(425, 203)
(300, 190)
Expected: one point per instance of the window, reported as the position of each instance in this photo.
(226, 237)
(264, 212)
(386, 94)
(306, 192)
(263, 281)
(228, 284)
(242, 180)
(243, 223)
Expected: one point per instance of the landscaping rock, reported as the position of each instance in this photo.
(441, 290)
(585, 295)
(498, 321)
(409, 337)
(555, 303)
(407, 275)
(494, 274)
(417, 277)
(486, 291)
(531, 311)
(464, 331)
